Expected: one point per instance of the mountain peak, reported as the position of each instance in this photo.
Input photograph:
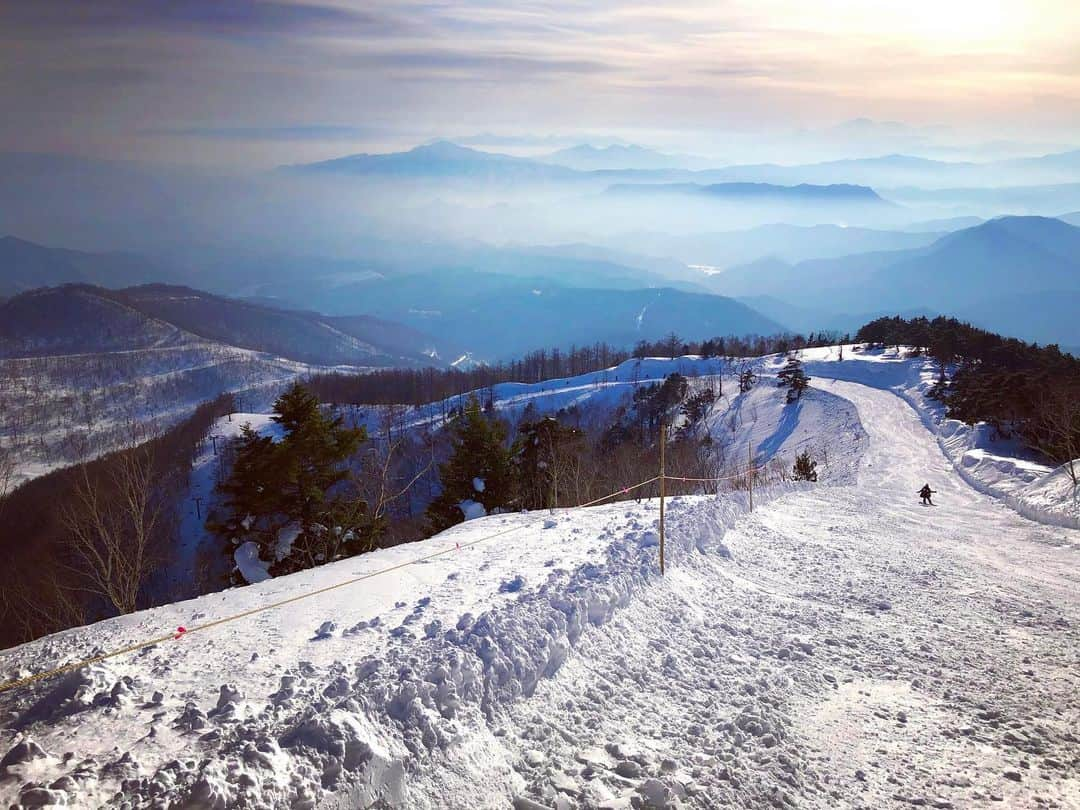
(448, 150)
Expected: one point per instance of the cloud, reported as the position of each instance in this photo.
(482, 65)
(233, 16)
(228, 74)
(312, 132)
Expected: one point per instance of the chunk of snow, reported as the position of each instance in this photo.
(251, 568)
(286, 536)
(472, 509)
(479, 484)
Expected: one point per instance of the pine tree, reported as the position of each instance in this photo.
(478, 469)
(793, 378)
(747, 378)
(696, 407)
(545, 456)
(805, 467)
(311, 459)
(302, 481)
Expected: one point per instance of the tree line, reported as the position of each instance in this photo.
(424, 386)
(304, 496)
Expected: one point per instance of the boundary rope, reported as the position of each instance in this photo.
(181, 632)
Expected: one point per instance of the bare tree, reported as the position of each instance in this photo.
(394, 465)
(111, 526)
(7, 475)
(1058, 436)
(37, 608)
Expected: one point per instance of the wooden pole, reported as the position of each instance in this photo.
(750, 473)
(663, 488)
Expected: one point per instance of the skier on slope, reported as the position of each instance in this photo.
(925, 494)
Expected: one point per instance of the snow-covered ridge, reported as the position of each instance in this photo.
(1001, 468)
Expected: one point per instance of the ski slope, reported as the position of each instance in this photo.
(840, 646)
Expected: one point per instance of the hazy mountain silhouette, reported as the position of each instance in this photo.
(1033, 262)
(80, 318)
(756, 192)
(497, 315)
(617, 156)
(26, 265)
(439, 159)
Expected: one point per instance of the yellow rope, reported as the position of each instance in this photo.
(20, 682)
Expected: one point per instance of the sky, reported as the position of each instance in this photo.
(264, 82)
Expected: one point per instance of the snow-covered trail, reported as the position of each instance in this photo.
(856, 650)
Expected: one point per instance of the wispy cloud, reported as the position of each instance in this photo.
(313, 132)
(258, 70)
(206, 15)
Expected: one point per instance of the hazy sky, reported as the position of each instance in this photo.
(259, 83)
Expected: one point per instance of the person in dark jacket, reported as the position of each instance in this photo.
(925, 494)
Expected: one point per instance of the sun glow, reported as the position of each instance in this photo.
(962, 22)
(928, 23)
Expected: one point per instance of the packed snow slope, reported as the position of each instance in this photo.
(840, 646)
(993, 464)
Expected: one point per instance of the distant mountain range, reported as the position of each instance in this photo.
(441, 159)
(26, 265)
(755, 192)
(500, 315)
(619, 163)
(715, 251)
(588, 158)
(494, 303)
(83, 319)
(1019, 275)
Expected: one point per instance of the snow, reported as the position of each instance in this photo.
(603, 390)
(996, 466)
(286, 536)
(840, 646)
(472, 509)
(478, 484)
(251, 568)
(79, 407)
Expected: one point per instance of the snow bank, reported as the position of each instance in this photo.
(346, 713)
(251, 567)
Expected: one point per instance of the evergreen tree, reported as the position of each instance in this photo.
(805, 467)
(300, 486)
(747, 378)
(478, 469)
(793, 378)
(696, 407)
(658, 403)
(546, 454)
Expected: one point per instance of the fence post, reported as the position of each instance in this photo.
(663, 488)
(750, 473)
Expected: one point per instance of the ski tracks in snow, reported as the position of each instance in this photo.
(855, 650)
